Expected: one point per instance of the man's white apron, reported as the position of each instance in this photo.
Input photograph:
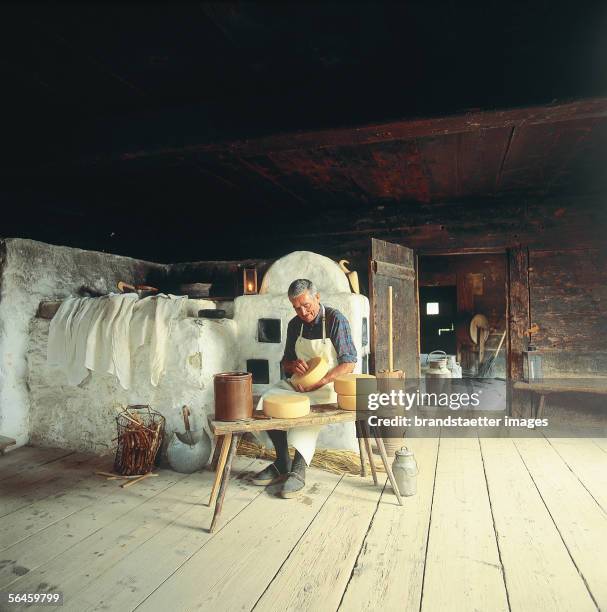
(304, 438)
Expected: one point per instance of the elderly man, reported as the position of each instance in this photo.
(316, 330)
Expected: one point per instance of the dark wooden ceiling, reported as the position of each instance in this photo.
(175, 131)
(553, 150)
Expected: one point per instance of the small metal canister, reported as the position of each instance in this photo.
(405, 471)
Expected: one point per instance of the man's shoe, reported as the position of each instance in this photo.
(293, 485)
(268, 476)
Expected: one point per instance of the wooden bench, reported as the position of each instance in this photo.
(549, 387)
(5, 442)
(228, 433)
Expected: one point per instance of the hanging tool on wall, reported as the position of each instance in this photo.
(352, 276)
(479, 332)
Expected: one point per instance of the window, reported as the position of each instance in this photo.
(260, 368)
(431, 308)
(268, 330)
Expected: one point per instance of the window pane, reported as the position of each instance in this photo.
(431, 308)
(268, 330)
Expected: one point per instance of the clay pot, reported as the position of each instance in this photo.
(233, 396)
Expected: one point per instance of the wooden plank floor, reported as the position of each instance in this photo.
(496, 525)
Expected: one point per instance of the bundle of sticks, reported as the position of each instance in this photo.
(140, 431)
(331, 460)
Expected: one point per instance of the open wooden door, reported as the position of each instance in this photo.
(393, 264)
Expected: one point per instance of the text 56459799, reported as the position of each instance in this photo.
(16, 599)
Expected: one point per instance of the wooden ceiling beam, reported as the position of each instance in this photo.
(399, 130)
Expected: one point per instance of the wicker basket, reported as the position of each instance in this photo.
(140, 433)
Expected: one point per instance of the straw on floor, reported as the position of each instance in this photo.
(335, 461)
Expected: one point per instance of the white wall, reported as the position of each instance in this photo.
(32, 271)
(83, 417)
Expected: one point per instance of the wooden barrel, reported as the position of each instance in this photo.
(233, 396)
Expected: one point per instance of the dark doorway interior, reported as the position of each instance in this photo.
(478, 283)
(438, 308)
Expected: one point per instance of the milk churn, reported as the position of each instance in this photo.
(405, 471)
(437, 373)
(437, 365)
(454, 367)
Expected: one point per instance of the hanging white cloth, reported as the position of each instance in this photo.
(100, 334)
(92, 334)
(304, 438)
(153, 320)
(107, 344)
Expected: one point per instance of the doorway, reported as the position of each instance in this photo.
(453, 289)
(437, 313)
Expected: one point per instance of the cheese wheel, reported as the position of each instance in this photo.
(286, 406)
(346, 383)
(346, 402)
(317, 368)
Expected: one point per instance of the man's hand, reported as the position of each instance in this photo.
(298, 366)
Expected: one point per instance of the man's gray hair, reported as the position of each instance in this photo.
(301, 285)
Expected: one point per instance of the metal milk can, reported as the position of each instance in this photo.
(405, 471)
(438, 375)
(437, 365)
(454, 367)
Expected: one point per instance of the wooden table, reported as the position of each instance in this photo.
(228, 433)
(549, 387)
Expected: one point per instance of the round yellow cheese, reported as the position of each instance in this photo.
(317, 368)
(346, 402)
(346, 383)
(286, 406)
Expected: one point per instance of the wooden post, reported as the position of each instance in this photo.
(390, 347)
(518, 323)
